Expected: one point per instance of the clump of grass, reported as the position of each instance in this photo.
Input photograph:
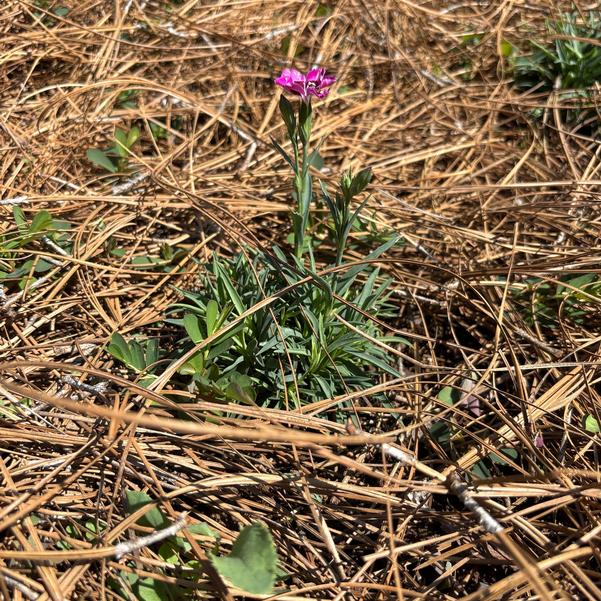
(570, 61)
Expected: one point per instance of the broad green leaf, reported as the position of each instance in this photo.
(152, 351)
(19, 217)
(449, 395)
(133, 136)
(591, 424)
(41, 222)
(118, 348)
(203, 529)
(361, 181)
(136, 356)
(147, 262)
(240, 389)
(192, 328)
(316, 160)
(168, 552)
(121, 145)
(253, 563)
(98, 157)
(61, 11)
(150, 589)
(479, 470)
(501, 457)
(153, 518)
(440, 432)
(192, 367)
(506, 49)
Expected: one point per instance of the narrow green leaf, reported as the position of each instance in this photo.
(211, 316)
(98, 157)
(284, 154)
(224, 278)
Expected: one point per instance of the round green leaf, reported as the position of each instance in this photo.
(252, 564)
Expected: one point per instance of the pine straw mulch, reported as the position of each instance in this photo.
(484, 199)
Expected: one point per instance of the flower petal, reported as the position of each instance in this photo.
(289, 77)
(316, 75)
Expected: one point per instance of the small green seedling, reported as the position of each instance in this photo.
(16, 264)
(567, 62)
(141, 358)
(44, 17)
(115, 158)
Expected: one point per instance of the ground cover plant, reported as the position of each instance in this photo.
(569, 63)
(315, 340)
(299, 301)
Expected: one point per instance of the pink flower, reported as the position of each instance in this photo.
(315, 83)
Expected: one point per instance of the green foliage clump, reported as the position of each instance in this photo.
(17, 264)
(315, 341)
(265, 329)
(569, 62)
(252, 565)
(574, 299)
(115, 159)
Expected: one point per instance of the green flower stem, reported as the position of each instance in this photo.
(302, 181)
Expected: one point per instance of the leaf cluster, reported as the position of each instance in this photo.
(16, 261)
(312, 342)
(115, 158)
(574, 299)
(252, 564)
(570, 61)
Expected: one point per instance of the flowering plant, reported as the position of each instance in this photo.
(317, 82)
(315, 338)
